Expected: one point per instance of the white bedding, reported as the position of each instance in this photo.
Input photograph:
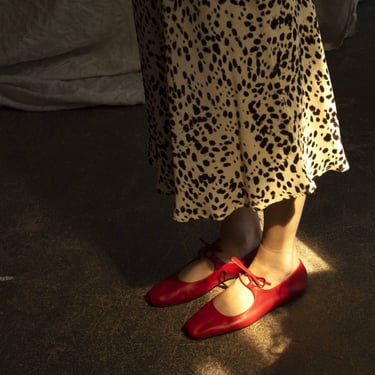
(61, 54)
(57, 54)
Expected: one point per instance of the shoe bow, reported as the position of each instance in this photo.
(260, 282)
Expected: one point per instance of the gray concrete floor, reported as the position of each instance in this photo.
(84, 235)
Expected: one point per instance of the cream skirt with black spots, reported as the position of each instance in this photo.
(239, 100)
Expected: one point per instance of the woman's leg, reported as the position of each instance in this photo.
(276, 257)
(239, 234)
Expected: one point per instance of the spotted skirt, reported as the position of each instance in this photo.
(240, 105)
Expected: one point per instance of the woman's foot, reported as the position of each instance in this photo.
(275, 276)
(240, 233)
(250, 298)
(273, 266)
(172, 290)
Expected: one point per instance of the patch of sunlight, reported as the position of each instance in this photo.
(210, 366)
(6, 278)
(312, 261)
(268, 337)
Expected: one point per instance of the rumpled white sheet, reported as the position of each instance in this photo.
(57, 54)
(61, 54)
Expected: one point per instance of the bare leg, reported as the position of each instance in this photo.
(276, 257)
(239, 234)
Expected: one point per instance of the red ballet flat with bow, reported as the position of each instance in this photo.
(172, 290)
(208, 322)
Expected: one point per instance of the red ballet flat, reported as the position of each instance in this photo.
(172, 291)
(208, 322)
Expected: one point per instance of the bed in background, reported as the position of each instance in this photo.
(57, 54)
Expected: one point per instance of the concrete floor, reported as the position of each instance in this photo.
(84, 235)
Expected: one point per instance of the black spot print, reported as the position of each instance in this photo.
(239, 101)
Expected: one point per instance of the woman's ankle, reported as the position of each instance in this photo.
(274, 264)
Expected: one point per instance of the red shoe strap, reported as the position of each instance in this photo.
(260, 282)
(208, 251)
